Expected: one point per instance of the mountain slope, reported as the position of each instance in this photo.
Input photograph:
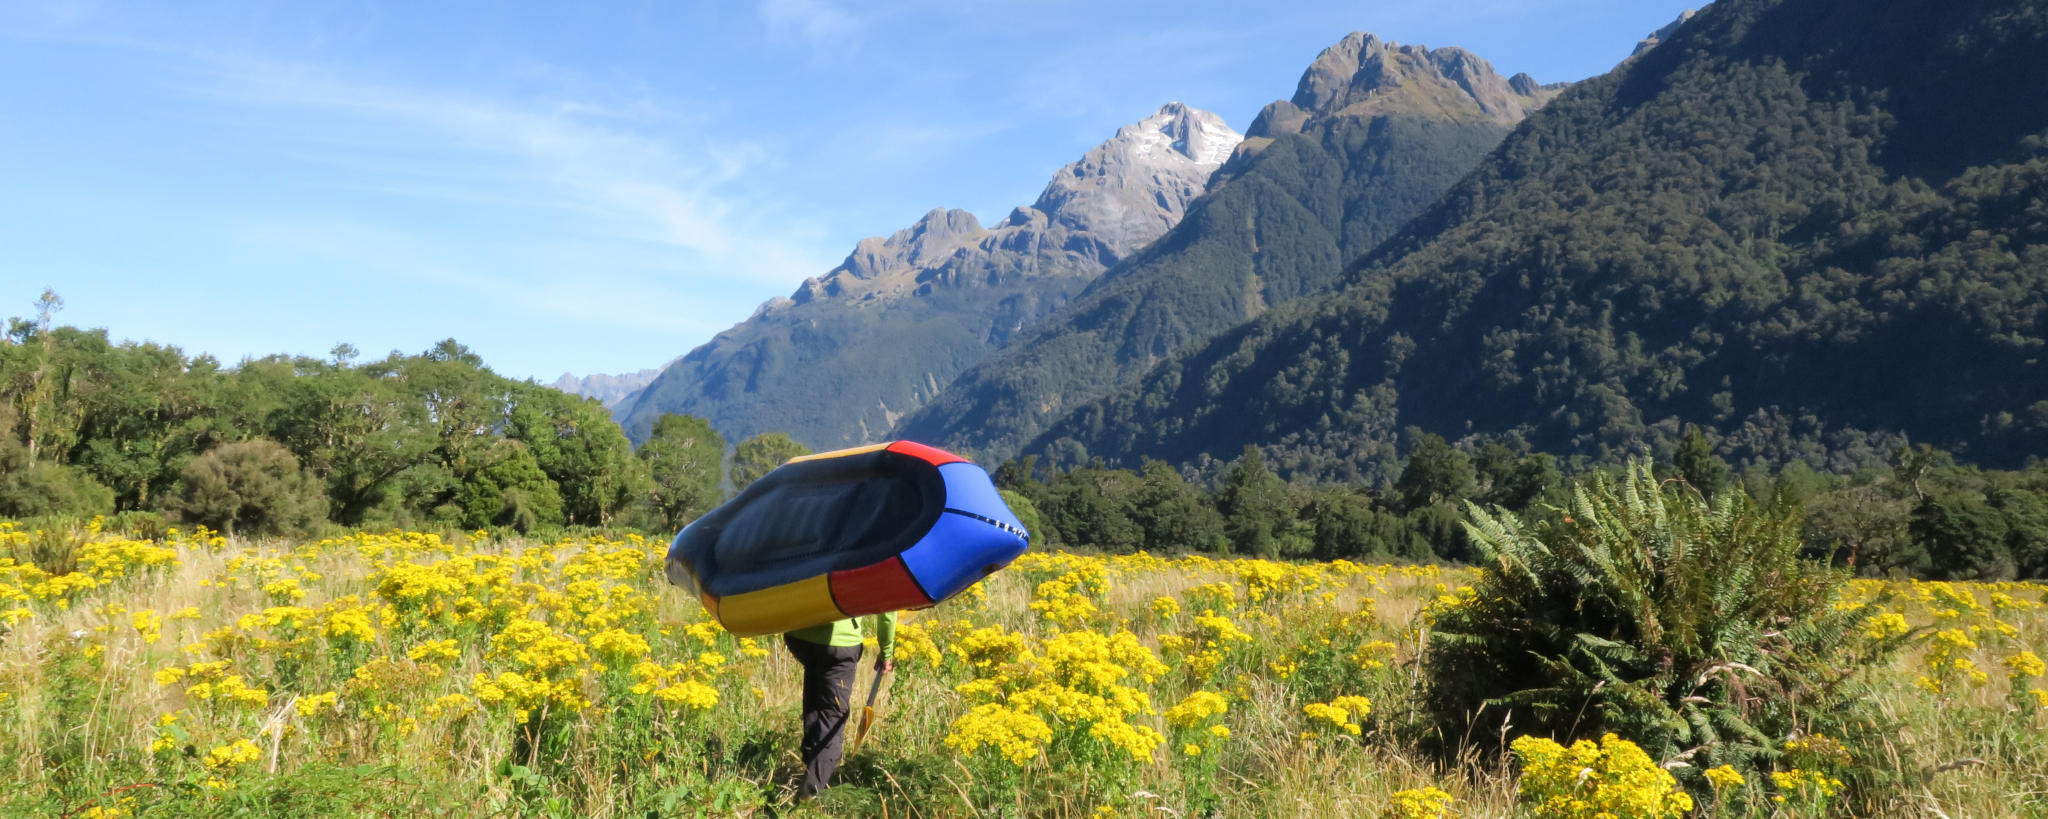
(1374, 133)
(1816, 227)
(838, 362)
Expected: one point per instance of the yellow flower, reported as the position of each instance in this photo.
(689, 693)
(1418, 803)
(308, 706)
(1804, 784)
(2026, 664)
(1885, 626)
(1195, 708)
(1613, 779)
(435, 651)
(148, 625)
(618, 642)
(1015, 735)
(1723, 777)
(234, 754)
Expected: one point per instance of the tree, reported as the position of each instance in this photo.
(1513, 479)
(355, 427)
(1258, 510)
(685, 464)
(1435, 473)
(250, 487)
(510, 490)
(1341, 521)
(1697, 464)
(760, 455)
(45, 488)
(1172, 514)
(579, 447)
(1093, 507)
(2026, 517)
(37, 391)
(1864, 527)
(1027, 514)
(1964, 537)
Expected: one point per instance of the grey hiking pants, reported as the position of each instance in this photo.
(828, 701)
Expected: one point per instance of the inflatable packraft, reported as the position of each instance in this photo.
(843, 534)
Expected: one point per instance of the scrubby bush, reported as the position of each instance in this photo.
(250, 487)
(47, 489)
(1690, 627)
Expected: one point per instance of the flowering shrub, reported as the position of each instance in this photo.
(1612, 780)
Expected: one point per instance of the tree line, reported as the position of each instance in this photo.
(1922, 515)
(436, 440)
(291, 443)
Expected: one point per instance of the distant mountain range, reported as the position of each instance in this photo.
(1374, 133)
(845, 356)
(1816, 228)
(610, 390)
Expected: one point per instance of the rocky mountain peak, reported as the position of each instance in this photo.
(1120, 195)
(1363, 74)
(1662, 34)
(1199, 136)
(1129, 190)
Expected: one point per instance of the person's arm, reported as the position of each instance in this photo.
(885, 641)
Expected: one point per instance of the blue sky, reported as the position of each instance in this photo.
(596, 186)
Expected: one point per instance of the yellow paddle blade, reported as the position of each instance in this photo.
(867, 719)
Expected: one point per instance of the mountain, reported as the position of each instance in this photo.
(1816, 228)
(1375, 131)
(611, 390)
(840, 360)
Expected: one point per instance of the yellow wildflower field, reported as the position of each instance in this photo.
(409, 673)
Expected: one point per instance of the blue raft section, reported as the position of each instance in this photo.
(843, 534)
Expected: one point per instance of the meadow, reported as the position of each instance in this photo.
(408, 673)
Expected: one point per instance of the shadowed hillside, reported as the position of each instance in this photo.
(1815, 227)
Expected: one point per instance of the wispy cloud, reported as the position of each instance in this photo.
(667, 190)
(816, 20)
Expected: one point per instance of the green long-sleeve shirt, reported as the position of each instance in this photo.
(851, 632)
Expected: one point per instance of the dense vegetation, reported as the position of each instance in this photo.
(1920, 515)
(1277, 224)
(1817, 229)
(434, 440)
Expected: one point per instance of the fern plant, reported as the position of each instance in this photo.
(1691, 627)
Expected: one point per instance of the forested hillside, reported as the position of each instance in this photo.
(1375, 132)
(1816, 228)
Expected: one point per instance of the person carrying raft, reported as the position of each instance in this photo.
(830, 654)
